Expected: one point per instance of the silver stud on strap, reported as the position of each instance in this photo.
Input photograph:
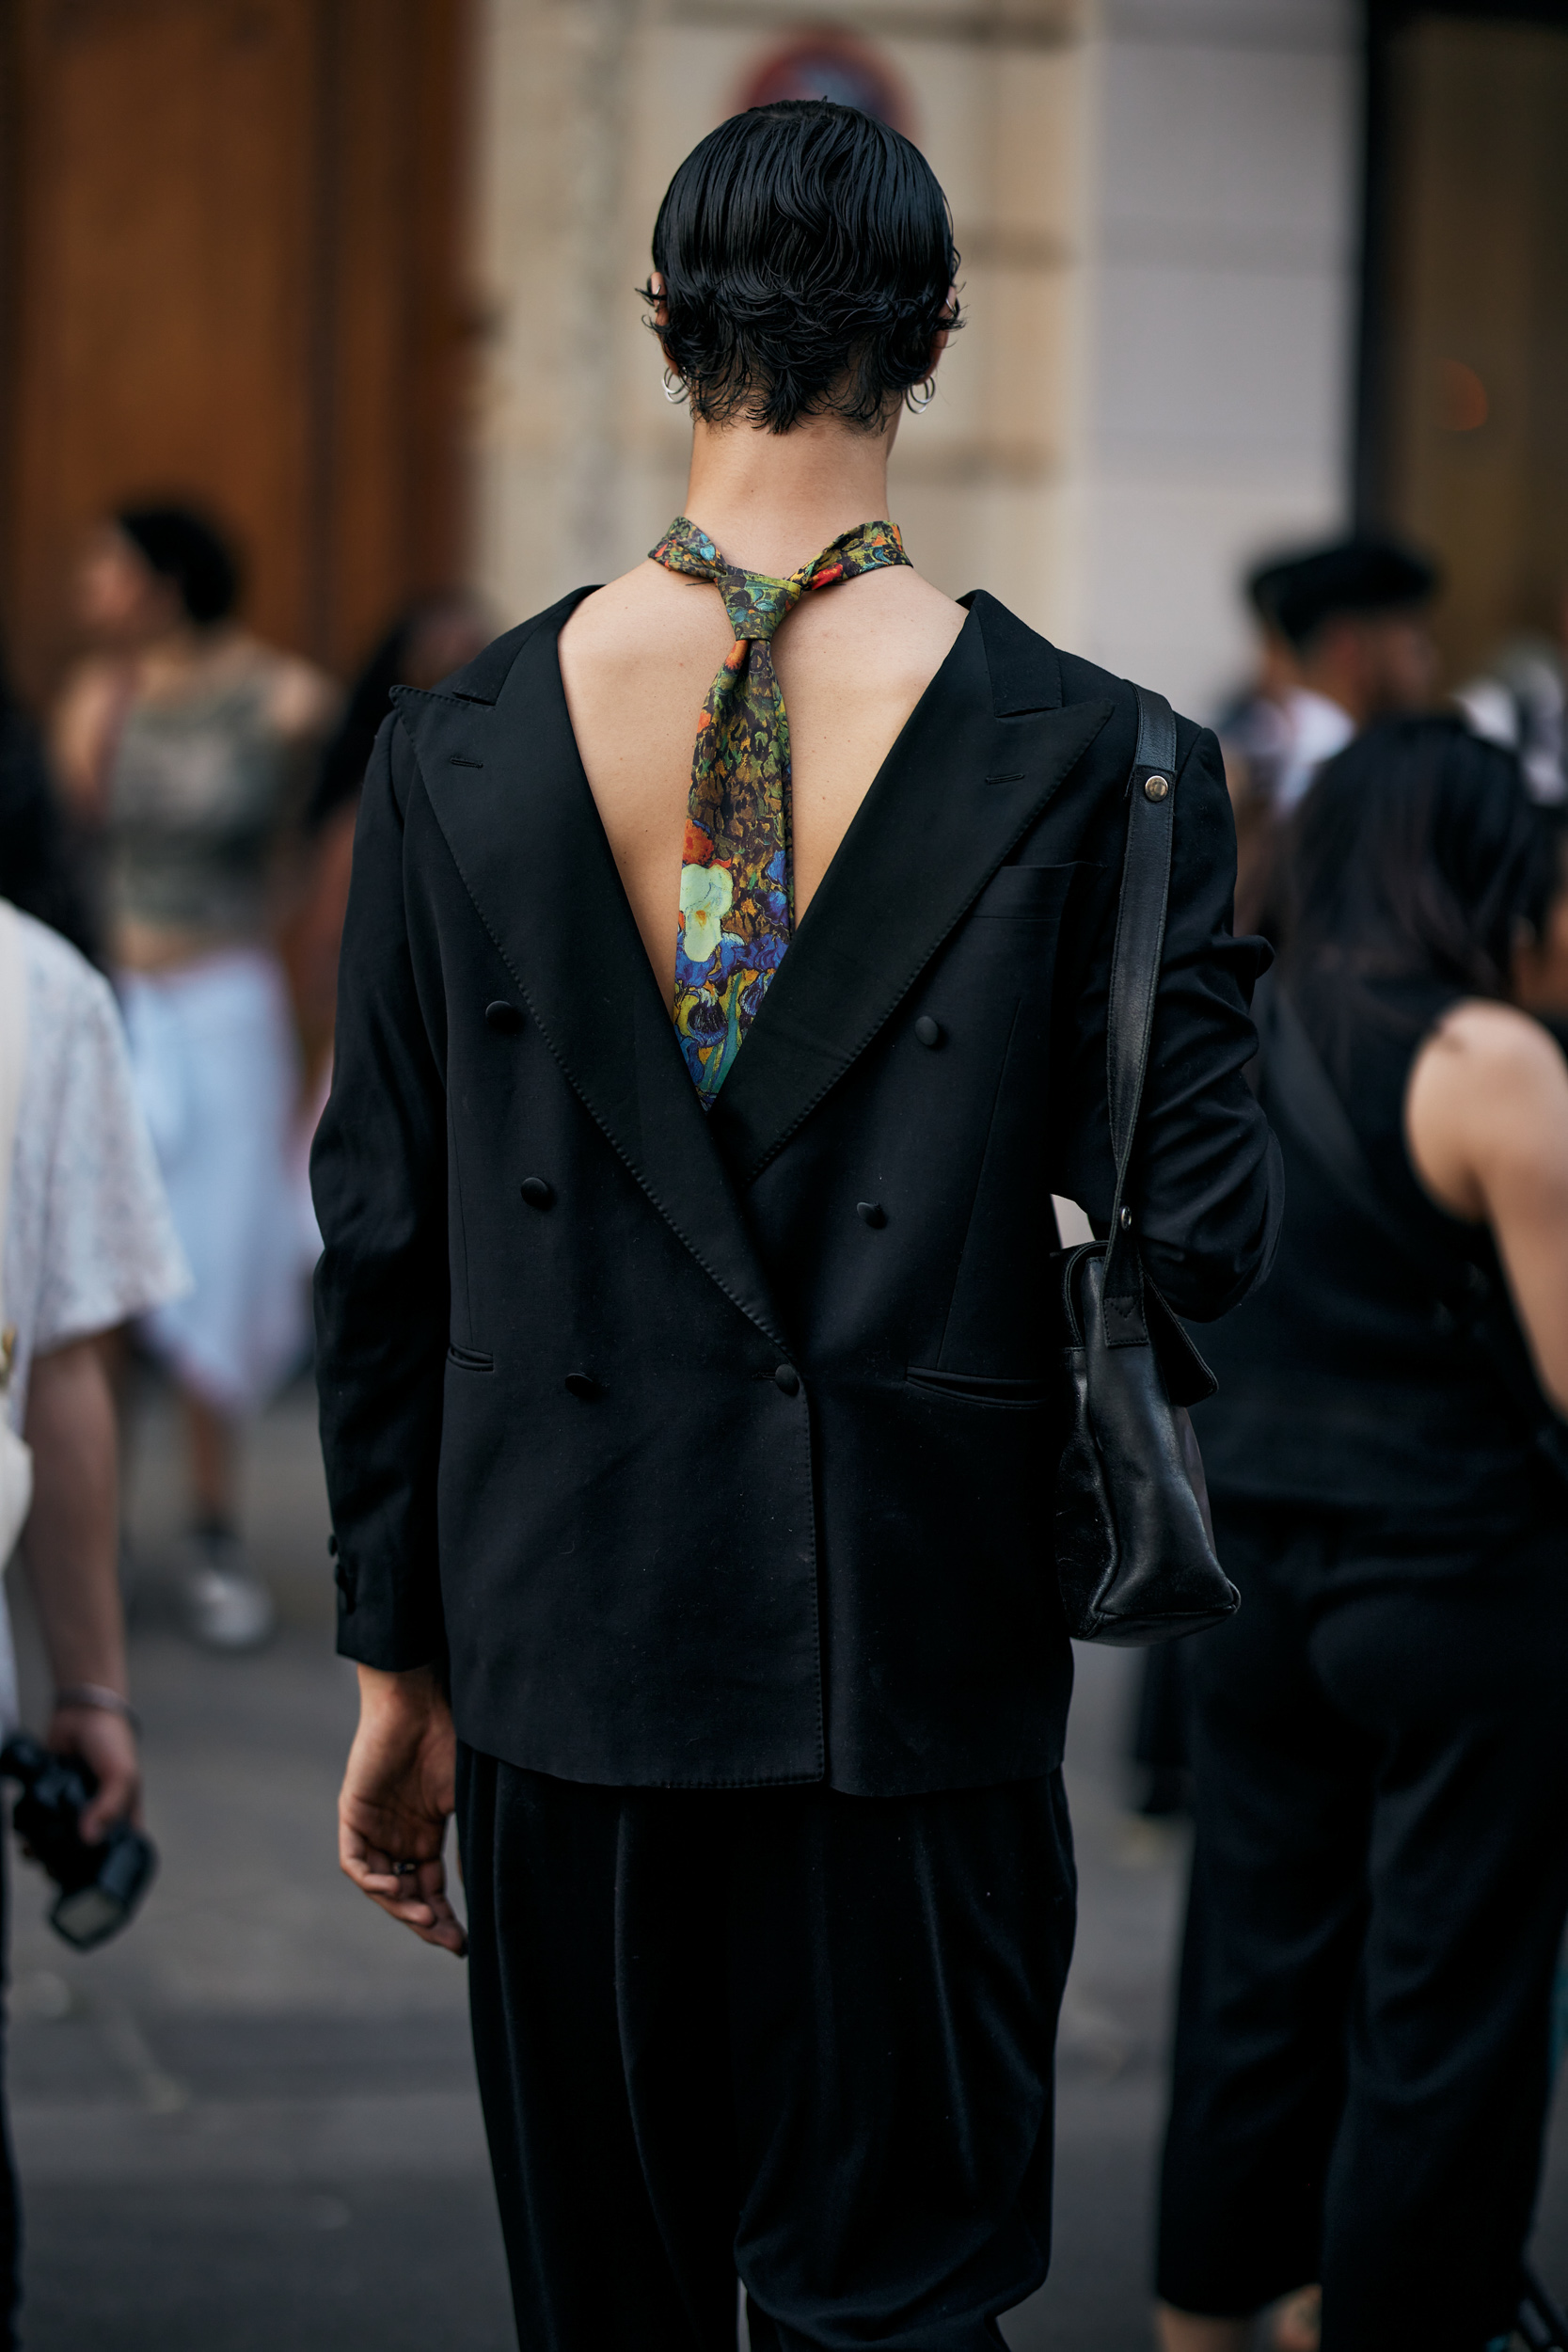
(1155, 787)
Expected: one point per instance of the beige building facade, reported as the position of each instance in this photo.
(1152, 202)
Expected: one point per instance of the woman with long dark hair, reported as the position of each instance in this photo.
(1380, 1747)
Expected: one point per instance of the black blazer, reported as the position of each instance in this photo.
(717, 1448)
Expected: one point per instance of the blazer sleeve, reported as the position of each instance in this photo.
(378, 1173)
(1206, 1185)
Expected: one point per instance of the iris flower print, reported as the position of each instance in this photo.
(707, 896)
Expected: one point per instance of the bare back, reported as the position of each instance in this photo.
(637, 657)
(1486, 1126)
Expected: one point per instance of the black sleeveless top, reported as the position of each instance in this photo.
(1342, 1380)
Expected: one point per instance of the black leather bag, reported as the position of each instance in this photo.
(1135, 1547)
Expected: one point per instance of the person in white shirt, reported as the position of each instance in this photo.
(1521, 700)
(87, 1244)
(1354, 618)
(1345, 641)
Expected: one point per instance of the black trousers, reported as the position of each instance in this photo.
(798, 2037)
(1380, 1878)
(10, 2206)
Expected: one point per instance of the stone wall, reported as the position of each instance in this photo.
(1154, 202)
(1217, 311)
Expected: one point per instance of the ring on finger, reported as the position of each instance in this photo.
(404, 1869)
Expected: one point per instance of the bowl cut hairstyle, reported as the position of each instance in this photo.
(806, 252)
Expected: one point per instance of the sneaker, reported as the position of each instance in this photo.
(225, 1604)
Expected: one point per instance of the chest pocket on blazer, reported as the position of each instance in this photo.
(996, 1335)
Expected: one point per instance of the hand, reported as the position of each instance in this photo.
(107, 1745)
(399, 1791)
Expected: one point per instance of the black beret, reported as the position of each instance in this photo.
(1297, 594)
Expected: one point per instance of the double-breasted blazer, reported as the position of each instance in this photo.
(713, 1450)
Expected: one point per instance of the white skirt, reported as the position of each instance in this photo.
(212, 1051)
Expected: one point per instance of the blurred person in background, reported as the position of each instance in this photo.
(1343, 642)
(1354, 617)
(1255, 733)
(1521, 700)
(1254, 728)
(431, 640)
(41, 870)
(1379, 1743)
(186, 746)
(85, 1242)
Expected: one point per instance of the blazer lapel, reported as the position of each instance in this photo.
(981, 754)
(502, 772)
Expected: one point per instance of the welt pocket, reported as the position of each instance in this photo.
(469, 1360)
(977, 1388)
(1023, 894)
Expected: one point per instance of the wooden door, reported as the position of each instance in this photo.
(1469, 425)
(231, 277)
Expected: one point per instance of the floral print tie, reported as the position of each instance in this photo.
(738, 882)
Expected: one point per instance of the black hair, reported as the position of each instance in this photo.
(41, 865)
(347, 754)
(1297, 594)
(1418, 854)
(806, 251)
(184, 546)
(1263, 584)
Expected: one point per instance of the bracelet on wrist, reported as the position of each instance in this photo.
(97, 1694)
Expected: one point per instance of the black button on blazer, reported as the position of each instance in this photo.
(716, 1575)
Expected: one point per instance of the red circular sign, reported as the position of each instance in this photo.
(830, 65)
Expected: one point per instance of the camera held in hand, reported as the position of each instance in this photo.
(100, 1886)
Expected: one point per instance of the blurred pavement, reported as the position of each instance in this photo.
(251, 2120)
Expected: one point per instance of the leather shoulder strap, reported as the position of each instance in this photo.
(1135, 984)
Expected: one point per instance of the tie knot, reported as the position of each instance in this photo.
(758, 604)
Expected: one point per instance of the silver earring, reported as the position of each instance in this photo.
(674, 388)
(917, 408)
